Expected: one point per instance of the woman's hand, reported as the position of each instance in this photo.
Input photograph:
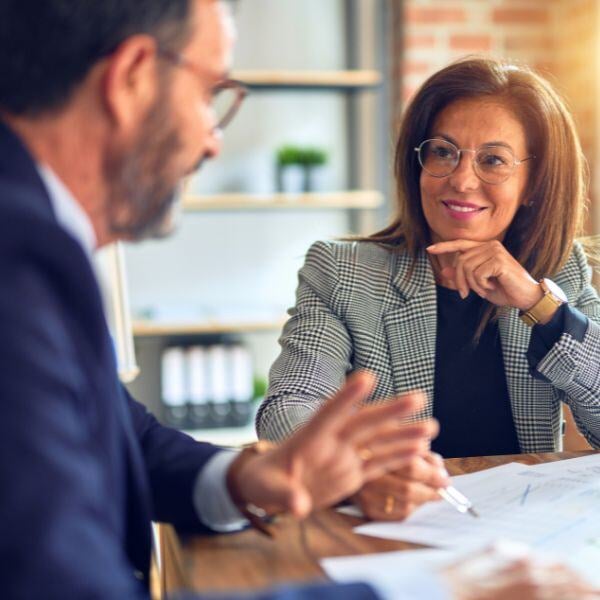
(395, 496)
(341, 448)
(504, 573)
(490, 271)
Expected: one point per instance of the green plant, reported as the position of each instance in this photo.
(296, 155)
(289, 155)
(260, 388)
(313, 157)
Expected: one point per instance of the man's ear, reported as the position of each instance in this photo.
(130, 82)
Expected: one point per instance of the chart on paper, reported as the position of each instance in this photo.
(557, 509)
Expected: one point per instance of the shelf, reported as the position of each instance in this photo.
(359, 199)
(355, 79)
(233, 437)
(148, 328)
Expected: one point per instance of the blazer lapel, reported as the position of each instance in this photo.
(410, 327)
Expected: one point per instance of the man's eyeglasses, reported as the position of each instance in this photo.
(492, 164)
(227, 95)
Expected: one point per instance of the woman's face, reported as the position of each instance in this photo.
(462, 206)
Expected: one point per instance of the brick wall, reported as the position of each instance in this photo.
(557, 37)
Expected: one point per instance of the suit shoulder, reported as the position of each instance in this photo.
(576, 273)
(356, 254)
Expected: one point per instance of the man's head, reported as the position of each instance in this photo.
(109, 67)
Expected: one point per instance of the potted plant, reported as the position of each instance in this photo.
(290, 172)
(312, 160)
(298, 168)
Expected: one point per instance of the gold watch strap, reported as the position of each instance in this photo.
(543, 310)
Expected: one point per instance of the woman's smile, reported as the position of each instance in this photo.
(463, 211)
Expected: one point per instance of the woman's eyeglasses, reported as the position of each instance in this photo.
(492, 164)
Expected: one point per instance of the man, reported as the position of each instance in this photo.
(104, 107)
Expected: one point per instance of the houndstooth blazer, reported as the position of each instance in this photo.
(356, 309)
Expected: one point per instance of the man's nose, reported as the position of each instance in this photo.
(214, 143)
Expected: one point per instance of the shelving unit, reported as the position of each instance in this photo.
(149, 328)
(354, 199)
(298, 80)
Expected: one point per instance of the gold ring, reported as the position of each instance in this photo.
(365, 454)
(388, 509)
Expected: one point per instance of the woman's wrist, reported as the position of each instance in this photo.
(533, 296)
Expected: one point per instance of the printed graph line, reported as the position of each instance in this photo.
(525, 494)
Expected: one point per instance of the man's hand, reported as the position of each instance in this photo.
(396, 495)
(336, 453)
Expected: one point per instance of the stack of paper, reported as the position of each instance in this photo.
(553, 507)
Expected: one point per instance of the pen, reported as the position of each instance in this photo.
(460, 502)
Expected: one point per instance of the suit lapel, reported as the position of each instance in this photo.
(410, 327)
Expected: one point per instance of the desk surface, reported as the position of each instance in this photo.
(248, 560)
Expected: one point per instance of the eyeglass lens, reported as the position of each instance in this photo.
(226, 101)
(492, 164)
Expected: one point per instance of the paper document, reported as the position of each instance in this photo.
(553, 509)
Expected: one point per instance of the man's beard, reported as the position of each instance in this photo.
(143, 193)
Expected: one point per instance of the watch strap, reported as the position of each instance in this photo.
(542, 310)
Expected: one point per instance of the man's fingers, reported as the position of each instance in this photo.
(390, 433)
(336, 410)
(426, 471)
(371, 419)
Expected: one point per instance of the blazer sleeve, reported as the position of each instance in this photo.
(173, 462)
(315, 353)
(54, 532)
(572, 364)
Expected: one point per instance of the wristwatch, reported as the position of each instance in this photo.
(543, 310)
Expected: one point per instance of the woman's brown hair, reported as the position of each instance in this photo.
(542, 232)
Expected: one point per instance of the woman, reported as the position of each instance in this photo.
(477, 293)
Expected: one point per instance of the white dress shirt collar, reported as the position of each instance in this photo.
(68, 212)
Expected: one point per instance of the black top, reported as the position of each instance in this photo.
(471, 399)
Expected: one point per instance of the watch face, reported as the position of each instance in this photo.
(555, 290)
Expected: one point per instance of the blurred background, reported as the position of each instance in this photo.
(309, 157)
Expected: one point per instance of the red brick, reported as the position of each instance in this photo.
(423, 14)
(471, 43)
(414, 67)
(419, 41)
(528, 42)
(523, 16)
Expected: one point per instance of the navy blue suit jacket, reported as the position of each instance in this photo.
(83, 467)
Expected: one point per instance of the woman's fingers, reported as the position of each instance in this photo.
(394, 497)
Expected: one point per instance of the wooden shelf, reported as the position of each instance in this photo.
(354, 79)
(149, 328)
(358, 199)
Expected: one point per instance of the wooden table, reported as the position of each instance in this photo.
(248, 560)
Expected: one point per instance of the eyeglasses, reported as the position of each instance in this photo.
(226, 96)
(492, 164)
